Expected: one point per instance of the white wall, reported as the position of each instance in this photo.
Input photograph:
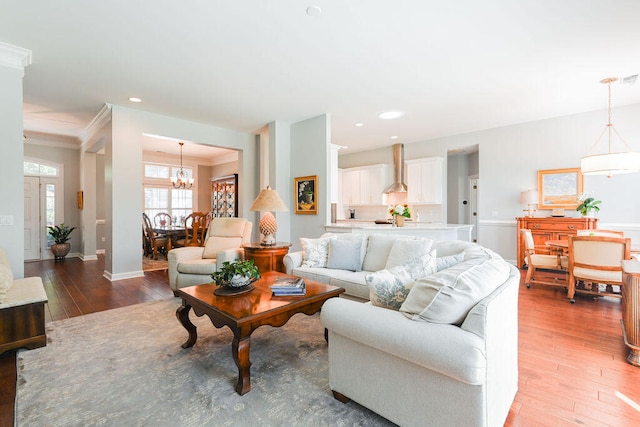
(310, 155)
(12, 188)
(510, 157)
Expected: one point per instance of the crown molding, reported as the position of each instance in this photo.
(14, 57)
(102, 118)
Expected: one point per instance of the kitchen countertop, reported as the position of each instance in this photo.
(433, 230)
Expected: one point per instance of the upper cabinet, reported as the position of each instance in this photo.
(364, 185)
(424, 180)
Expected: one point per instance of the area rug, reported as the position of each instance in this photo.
(126, 367)
(150, 264)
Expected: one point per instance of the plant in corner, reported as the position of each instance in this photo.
(589, 206)
(236, 274)
(60, 234)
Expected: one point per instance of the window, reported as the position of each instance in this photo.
(32, 167)
(160, 196)
(49, 209)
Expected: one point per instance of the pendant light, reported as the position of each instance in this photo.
(181, 180)
(610, 163)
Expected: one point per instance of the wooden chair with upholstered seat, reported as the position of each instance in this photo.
(153, 242)
(595, 265)
(556, 263)
(195, 226)
(160, 217)
(598, 232)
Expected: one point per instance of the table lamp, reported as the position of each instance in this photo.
(268, 200)
(529, 198)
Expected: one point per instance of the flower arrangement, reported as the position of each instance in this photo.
(402, 210)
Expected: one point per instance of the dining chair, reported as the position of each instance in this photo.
(160, 217)
(598, 232)
(153, 241)
(556, 264)
(595, 265)
(195, 225)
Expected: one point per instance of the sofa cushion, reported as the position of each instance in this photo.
(315, 252)
(215, 244)
(448, 261)
(378, 249)
(198, 266)
(404, 250)
(448, 295)
(344, 255)
(389, 287)
(6, 279)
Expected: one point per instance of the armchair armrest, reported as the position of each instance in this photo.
(178, 255)
(292, 260)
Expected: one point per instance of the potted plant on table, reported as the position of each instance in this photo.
(236, 275)
(589, 207)
(60, 234)
(400, 212)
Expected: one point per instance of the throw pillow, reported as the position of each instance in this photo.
(216, 244)
(344, 255)
(389, 288)
(378, 250)
(6, 280)
(404, 250)
(445, 262)
(315, 252)
(448, 295)
(362, 238)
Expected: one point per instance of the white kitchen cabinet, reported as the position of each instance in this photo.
(364, 185)
(424, 180)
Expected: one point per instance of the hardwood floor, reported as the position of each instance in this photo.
(572, 356)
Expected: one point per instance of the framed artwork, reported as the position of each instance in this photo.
(80, 200)
(305, 190)
(559, 188)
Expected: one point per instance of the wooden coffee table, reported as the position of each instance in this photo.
(246, 312)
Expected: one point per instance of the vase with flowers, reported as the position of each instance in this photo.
(399, 213)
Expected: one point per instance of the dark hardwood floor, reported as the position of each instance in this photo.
(572, 356)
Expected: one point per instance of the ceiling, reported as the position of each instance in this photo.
(451, 67)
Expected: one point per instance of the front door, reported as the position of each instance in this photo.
(32, 230)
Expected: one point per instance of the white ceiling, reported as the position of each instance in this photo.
(452, 67)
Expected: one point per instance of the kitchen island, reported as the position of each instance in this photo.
(432, 230)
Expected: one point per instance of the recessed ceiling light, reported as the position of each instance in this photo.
(390, 115)
(134, 99)
(394, 137)
(314, 11)
(359, 125)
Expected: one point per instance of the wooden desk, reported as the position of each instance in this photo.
(267, 258)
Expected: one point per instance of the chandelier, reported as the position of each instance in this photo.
(610, 163)
(181, 180)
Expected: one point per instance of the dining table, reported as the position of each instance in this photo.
(173, 232)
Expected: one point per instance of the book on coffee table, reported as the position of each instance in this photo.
(288, 286)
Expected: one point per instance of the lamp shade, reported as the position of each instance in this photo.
(610, 163)
(529, 197)
(268, 200)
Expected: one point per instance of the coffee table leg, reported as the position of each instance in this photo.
(182, 313)
(240, 351)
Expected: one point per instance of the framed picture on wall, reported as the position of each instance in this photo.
(305, 190)
(559, 188)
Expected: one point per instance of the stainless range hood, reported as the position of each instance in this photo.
(398, 171)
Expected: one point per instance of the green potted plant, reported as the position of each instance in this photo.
(60, 234)
(236, 274)
(589, 206)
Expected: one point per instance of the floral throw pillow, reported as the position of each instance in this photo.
(389, 288)
(315, 252)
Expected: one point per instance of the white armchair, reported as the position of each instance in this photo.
(223, 242)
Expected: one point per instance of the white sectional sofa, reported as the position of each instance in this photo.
(439, 350)
(377, 248)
